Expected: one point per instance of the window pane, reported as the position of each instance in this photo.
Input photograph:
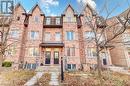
(73, 66)
(57, 36)
(34, 35)
(15, 33)
(73, 51)
(89, 35)
(91, 52)
(68, 51)
(33, 52)
(36, 19)
(48, 21)
(33, 66)
(88, 19)
(57, 21)
(47, 36)
(70, 35)
(69, 66)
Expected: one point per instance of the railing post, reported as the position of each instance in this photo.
(62, 72)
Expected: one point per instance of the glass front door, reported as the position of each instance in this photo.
(56, 57)
(48, 57)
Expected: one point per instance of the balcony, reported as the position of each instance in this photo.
(52, 22)
(51, 44)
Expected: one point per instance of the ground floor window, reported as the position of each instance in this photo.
(30, 66)
(71, 66)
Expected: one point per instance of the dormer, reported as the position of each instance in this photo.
(36, 15)
(69, 15)
(18, 13)
(87, 14)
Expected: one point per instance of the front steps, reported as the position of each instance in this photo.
(48, 69)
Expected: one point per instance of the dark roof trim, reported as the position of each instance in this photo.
(19, 5)
(75, 13)
(33, 8)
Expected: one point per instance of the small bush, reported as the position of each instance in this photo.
(6, 64)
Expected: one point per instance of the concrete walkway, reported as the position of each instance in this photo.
(119, 69)
(54, 79)
(34, 79)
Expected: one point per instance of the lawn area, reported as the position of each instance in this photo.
(15, 78)
(91, 79)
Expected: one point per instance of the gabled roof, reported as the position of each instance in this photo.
(91, 9)
(19, 5)
(125, 13)
(75, 13)
(33, 8)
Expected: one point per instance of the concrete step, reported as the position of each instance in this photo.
(48, 69)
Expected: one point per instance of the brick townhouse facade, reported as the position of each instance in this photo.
(40, 40)
(120, 54)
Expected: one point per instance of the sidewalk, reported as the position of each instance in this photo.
(54, 79)
(119, 69)
(34, 79)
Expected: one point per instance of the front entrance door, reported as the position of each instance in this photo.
(56, 57)
(48, 57)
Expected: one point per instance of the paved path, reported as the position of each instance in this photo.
(34, 79)
(120, 70)
(54, 79)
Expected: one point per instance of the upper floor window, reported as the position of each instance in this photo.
(57, 21)
(34, 35)
(47, 36)
(33, 52)
(11, 50)
(57, 36)
(36, 18)
(88, 19)
(71, 51)
(69, 19)
(100, 37)
(91, 52)
(126, 37)
(122, 19)
(70, 35)
(48, 21)
(89, 35)
(14, 33)
(18, 18)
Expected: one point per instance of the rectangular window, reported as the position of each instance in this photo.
(15, 34)
(100, 37)
(71, 51)
(11, 50)
(48, 21)
(47, 36)
(36, 19)
(71, 66)
(33, 52)
(126, 37)
(70, 35)
(34, 66)
(57, 21)
(68, 51)
(34, 35)
(91, 52)
(57, 36)
(89, 35)
(69, 19)
(88, 19)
